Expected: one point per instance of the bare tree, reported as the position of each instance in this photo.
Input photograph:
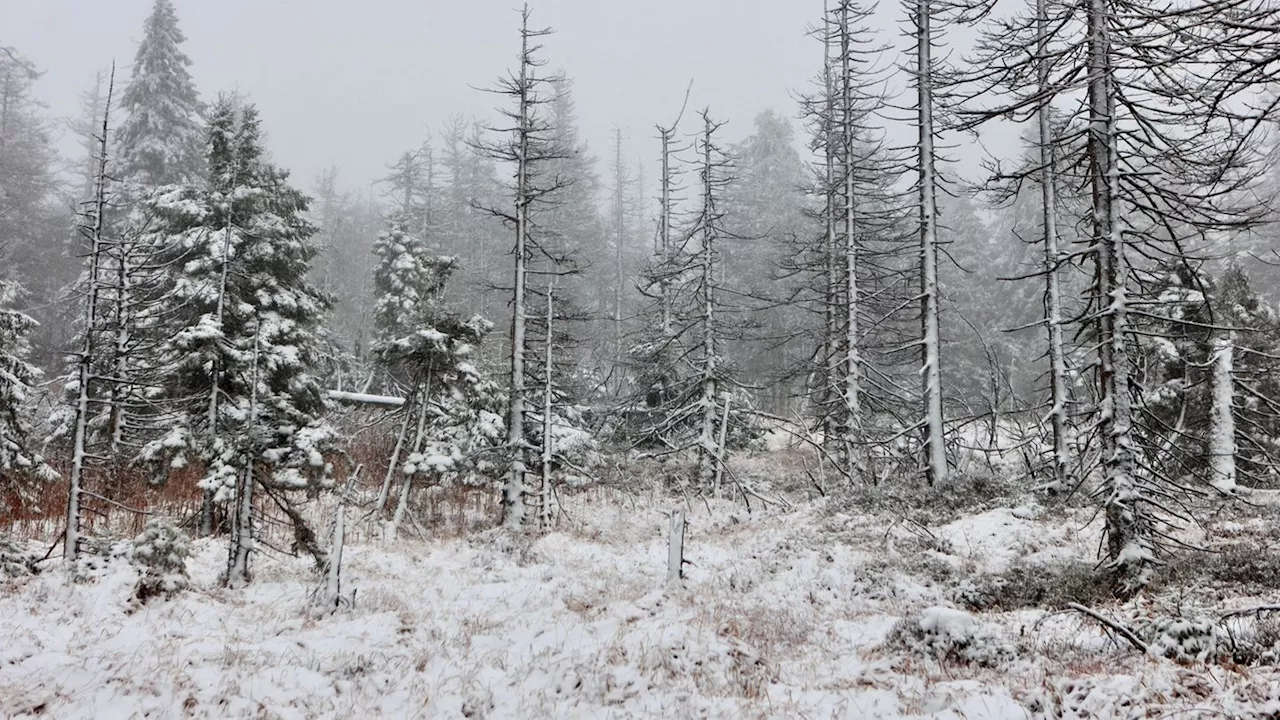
(530, 145)
(1162, 144)
(93, 227)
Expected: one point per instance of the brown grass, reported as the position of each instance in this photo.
(41, 516)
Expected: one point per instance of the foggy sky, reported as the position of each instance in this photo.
(355, 83)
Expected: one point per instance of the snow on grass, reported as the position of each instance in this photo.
(783, 614)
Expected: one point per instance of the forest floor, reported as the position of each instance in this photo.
(805, 609)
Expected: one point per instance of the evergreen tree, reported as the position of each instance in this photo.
(467, 230)
(766, 206)
(242, 324)
(160, 141)
(544, 251)
(1194, 318)
(1164, 144)
(32, 232)
(346, 225)
(18, 463)
(451, 412)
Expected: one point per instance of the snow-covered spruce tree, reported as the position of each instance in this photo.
(451, 412)
(1166, 143)
(243, 329)
(158, 145)
(20, 466)
(160, 140)
(160, 555)
(32, 230)
(25, 182)
(765, 207)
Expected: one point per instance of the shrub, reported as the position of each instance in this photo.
(965, 494)
(1258, 642)
(1191, 638)
(15, 560)
(950, 635)
(98, 553)
(160, 555)
(1025, 585)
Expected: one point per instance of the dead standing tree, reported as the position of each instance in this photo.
(530, 145)
(1162, 132)
(93, 228)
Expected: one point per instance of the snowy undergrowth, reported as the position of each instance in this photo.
(782, 614)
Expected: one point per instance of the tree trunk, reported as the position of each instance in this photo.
(1052, 258)
(851, 365)
(707, 450)
(1130, 550)
(514, 490)
(242, 523)
(930, 372)
(385, 491)
(75, 487)
(1222, 432)
(544, 490)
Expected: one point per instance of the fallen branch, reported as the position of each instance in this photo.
(1249, 611)
(365, 399)
(1119, 629)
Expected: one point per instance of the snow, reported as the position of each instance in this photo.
(947, 621)
(781, 614)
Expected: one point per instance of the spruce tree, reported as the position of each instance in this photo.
(451, 410)
(160, 140)
(32, 234)
(19, 464)
(242, 324)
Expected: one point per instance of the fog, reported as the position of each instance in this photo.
(354, 84)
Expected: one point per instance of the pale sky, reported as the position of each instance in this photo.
(354, 83)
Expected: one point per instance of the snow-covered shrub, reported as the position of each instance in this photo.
(1257, 642)
(15, 560)
(1186, 639)
(1250, 564)
(160, 555)
(950, 635)
(1024, 585)
(98, 553)
(964, 494)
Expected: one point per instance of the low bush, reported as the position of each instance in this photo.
(160, 555)
(15, 560)
(1025, 585)
(950, 636)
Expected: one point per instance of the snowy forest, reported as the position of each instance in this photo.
(791, 415)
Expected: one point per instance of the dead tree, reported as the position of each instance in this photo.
(93, 229)
(1164, 146)
(531, 144)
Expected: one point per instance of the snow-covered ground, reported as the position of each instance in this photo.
(784, 614)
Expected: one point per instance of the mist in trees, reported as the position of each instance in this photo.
(510, 308)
